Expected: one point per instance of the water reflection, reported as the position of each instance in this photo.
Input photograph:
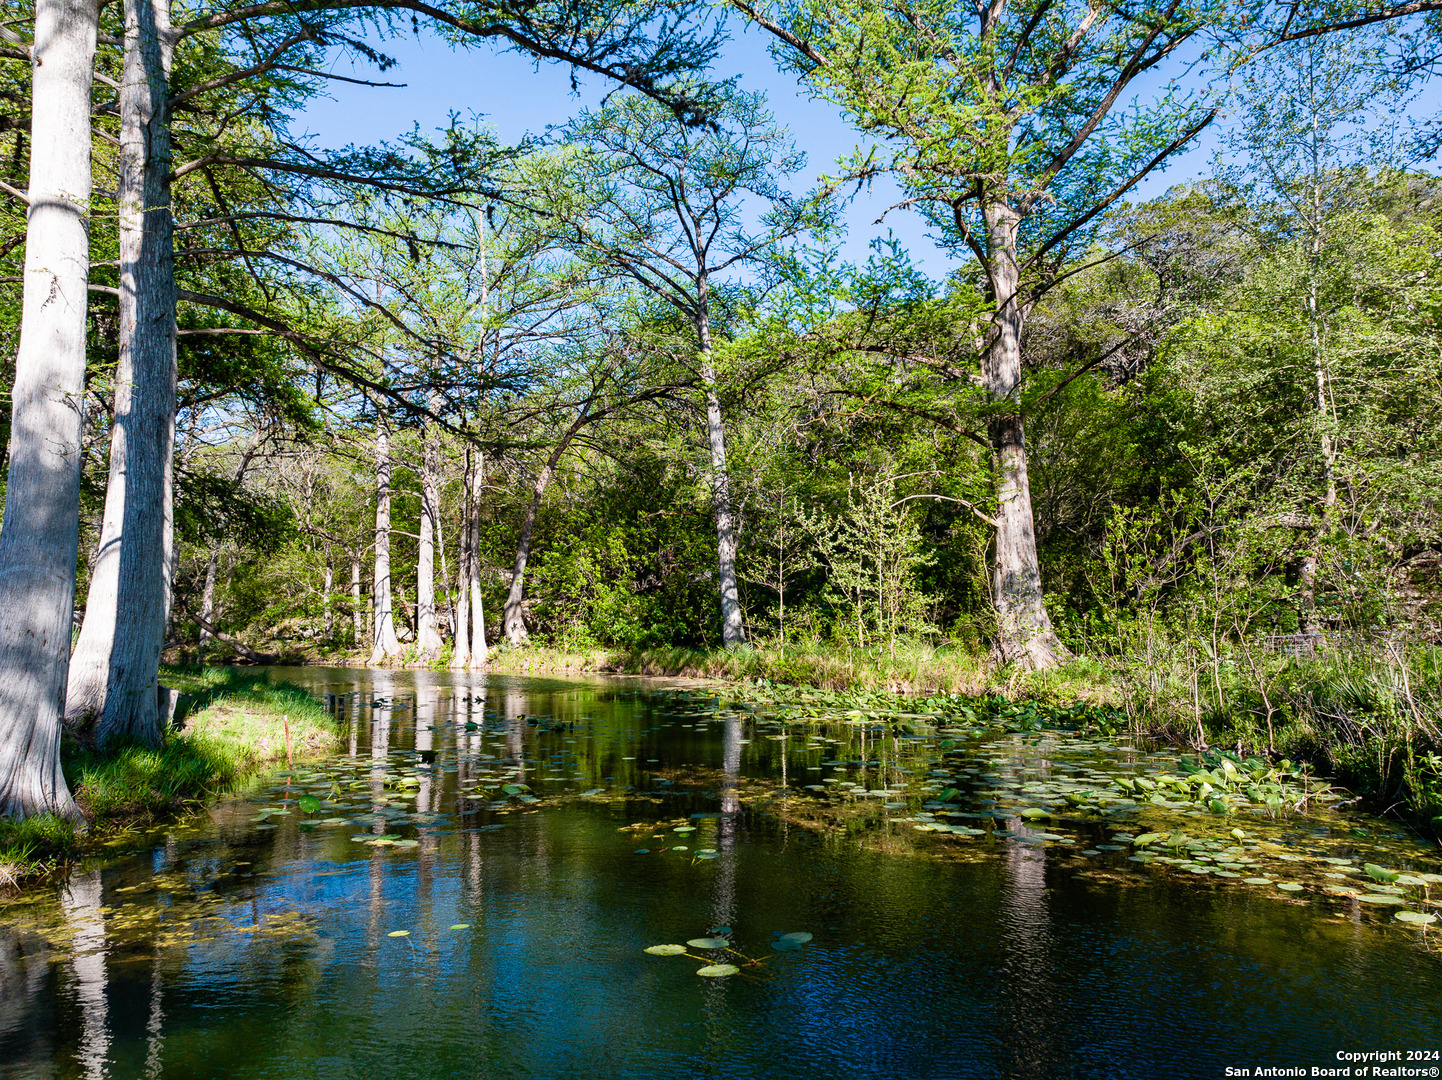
(526, 922)
(81, 900)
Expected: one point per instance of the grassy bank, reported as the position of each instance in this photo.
(235, 730)
(1369, 715)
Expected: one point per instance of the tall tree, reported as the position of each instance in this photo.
(1316, 119)
(115, 667)
(1002, 124)
(673, 208)
(39, 540)
(385, 642)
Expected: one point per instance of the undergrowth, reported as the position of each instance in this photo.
(236, 728)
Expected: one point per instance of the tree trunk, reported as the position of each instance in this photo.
(207, 595)
(461, 653)
(400, 605)
(114, 671)
(329, 585)
(1024, 632)
(515, 623)
(428, 639)
(478, 615)
(40, 539)
(733, 632)
(357, 608)
(385, 644)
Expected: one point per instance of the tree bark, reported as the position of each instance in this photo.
(207, 595)
(1024, 631)
(329, 585)
(514, 625)
(733, 631)
(116, 664)
(357, 608)
(461, 653)
(478, 615)
(428, 638)
(40, 539)
(385, 644)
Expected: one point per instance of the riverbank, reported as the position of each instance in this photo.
(236, 730)
(1368, 715)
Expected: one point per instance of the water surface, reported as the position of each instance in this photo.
(424, 921)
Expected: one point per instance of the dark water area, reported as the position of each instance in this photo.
(397, 912)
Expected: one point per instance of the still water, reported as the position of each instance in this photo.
(467, 889)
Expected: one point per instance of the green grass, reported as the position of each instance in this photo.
(236, 730)
(1369, 716)
(913, 669)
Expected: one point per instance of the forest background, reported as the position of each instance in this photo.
(644, 391)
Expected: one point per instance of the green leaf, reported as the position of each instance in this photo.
(666, 950)
(717, 971)
(309, 804)
(708, 943)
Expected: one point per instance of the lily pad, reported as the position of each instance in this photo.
(309, 803)
(1289, 886)
(1381, 898)
(708, 943)
(461, 926)
(1414, 917)
(666, 950)
(716, 971)
(399, 933)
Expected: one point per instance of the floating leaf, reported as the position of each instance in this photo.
(399, 933)
(1379, 873)
(309, 803)
(666, 950)
(708, 943)
(716, 971)
(1415, 917)
(461, 926)
(1381, 898)
(1289, 886)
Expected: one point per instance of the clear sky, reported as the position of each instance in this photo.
(515, 96)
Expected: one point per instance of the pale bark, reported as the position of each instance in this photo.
(1024, 631)
(357, 609)
(386, 645)
(428, 638)
(733, 632)
(115, 667)
(329, 585)
(461, 653)
(478, 615)
(40, 539)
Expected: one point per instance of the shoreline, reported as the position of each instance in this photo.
(235, 732)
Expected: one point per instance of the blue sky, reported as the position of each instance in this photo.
(515, 96)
